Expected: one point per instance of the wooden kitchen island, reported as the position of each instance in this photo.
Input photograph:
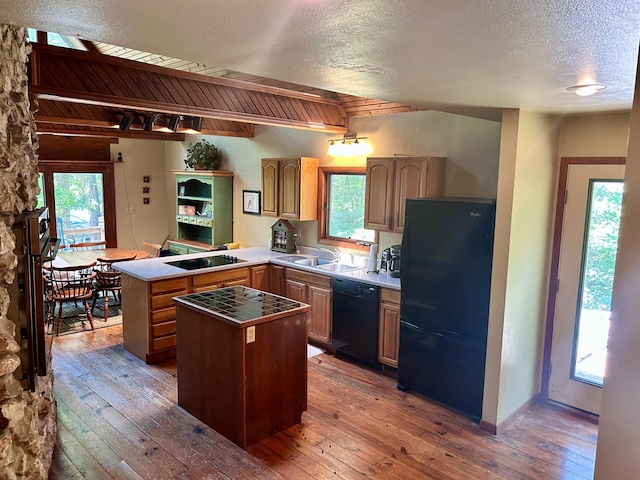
(242, 361)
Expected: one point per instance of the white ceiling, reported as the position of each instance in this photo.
(446, 54)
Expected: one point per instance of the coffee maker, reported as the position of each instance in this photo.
(385, 258)
(393, 264)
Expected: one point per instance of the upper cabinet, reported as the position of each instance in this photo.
(204, 206)
(290, 187)
(391, 180)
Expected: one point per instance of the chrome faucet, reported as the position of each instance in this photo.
(335, 254)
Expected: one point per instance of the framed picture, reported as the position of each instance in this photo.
(251, 202)
(181, 189)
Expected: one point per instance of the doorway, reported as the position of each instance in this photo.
(81, 200)
(585, 246)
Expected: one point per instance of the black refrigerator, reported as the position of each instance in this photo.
(445, 274)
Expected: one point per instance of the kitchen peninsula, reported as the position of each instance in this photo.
(242, 361)
(148, 286)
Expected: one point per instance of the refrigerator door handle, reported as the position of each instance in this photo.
(411, 325)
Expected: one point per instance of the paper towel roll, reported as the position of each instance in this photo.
(372, 265)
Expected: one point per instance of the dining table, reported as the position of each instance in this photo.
(75, 258)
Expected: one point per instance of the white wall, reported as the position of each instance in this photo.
(471, 144)
(135, 221)
(521, 256)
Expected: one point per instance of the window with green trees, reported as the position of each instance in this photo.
(344, 206)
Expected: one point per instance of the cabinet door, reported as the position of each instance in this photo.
(289, 188)
(276, 280)
(270, 179)
(320, 315)
(409, 182)
(259, 278)
(378, 203)
(389, 334)
(296, 290)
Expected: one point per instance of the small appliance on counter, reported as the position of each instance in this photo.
(393, 264)
(385, 256)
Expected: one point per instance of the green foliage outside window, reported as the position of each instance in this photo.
(602, 246)
(346, 207)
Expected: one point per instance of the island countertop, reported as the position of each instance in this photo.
(242, 306)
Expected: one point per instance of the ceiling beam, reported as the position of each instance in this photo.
(86, 78)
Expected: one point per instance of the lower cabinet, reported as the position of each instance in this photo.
(314, 290)
(389, 331)
(276, 280)
(149, 314)
(259, 278)
(149, 331)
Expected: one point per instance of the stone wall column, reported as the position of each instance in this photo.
(27, 419)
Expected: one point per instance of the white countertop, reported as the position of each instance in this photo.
(151, 269)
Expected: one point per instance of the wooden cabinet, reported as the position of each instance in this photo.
(389, 327)
(276, 280)
(290, 187)
(224, 278)
(259, 278)
(390, 181)
(314, 290)
(204, 204)
(149, 315)
(149, 331)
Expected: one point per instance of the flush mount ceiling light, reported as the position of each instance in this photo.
(586, 89)
(350, 145)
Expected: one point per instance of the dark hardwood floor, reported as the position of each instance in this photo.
(118, 418)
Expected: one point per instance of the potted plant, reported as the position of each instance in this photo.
(203, 156)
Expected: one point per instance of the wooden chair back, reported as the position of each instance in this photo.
(152, 248)
(88, 245)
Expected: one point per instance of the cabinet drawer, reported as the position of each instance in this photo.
(220, 277)
(162, 301)
(163, 315)
(308, 278)
(170, 285)
(163, 329)
(163, 343)
(390, 296)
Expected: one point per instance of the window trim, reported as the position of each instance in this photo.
(323, 199)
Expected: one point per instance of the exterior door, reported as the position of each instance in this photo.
(585, 279)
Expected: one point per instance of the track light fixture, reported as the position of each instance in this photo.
(147, 123)
(196, 123)
(125, 122)
(174, 121)
(350, 145)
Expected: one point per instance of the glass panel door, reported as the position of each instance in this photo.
(79, 207)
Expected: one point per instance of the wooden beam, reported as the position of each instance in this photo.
(61, 74)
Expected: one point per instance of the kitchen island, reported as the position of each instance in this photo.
(242, 361)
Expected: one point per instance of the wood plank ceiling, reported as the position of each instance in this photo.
(87, 93)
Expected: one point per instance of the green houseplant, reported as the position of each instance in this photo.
(203, 155)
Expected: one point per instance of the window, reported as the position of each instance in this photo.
(56, 39)
(342, 192)
(81, 200)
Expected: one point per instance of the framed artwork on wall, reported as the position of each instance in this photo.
(251, 202)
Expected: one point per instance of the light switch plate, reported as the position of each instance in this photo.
(251, 334)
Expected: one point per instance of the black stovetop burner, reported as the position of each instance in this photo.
(206, 262)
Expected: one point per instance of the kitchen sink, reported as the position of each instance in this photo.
(338, 267)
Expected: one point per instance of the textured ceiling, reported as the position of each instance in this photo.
(448, 54)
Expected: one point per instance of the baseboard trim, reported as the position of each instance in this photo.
(496, 429)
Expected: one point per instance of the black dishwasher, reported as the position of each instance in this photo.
(355, 321)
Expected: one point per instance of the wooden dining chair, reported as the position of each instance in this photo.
(107, 280)
(152, 248)
(68, 284)
(88, 245)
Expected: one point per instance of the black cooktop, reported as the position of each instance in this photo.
(206, 262)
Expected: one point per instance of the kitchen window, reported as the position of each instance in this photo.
(342, 192)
